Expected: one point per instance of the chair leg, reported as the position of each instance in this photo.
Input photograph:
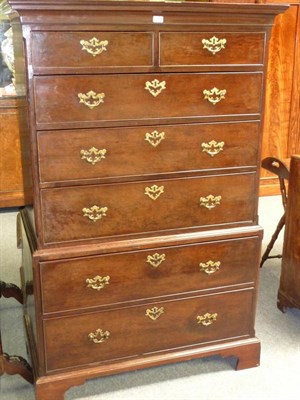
(12, 365)
(273, 240)
(11, 290)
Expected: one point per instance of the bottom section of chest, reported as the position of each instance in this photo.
(120, 306)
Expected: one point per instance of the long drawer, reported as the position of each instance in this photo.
(96, 211)
(112, 279)
(130, 332)
(78, 101)
(141, 151)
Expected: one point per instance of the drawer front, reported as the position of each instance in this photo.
(150, 206)
(131, 332)
(77, 101)
(142, 151)
(95, 50)
(111, 279)
(211, 48)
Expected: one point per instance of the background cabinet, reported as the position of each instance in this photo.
(14, 157)
(15, 187)
(289, 288)
(281, 136)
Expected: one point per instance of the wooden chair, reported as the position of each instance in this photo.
(278, 168)
(13, 364)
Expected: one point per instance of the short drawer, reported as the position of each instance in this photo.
(136, 331)
(142, 151)
(96, 100)
(211, 48)
(96, 211)
(92, 50)
(112, 279)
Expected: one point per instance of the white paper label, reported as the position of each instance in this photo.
(158, 19)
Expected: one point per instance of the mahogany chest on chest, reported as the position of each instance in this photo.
(143, 244)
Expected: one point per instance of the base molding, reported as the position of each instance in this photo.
(247, 352)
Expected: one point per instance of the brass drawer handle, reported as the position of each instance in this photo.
(155, 137)
(155, 87)
(99, 336)
(154, 312)
(214, 95)
(214, 45)
(93, 155)
(156, 259)
(210, 267)
(91, 99)
(94, 213)
(207, 319)
(210, 201)
(94, 46)
(154, 191)
(212, 148)
(98, 282)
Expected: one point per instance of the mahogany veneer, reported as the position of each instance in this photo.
(143, 244)
(165, 333)
(150, 153)
(177, 206)
(126, 98)
(162, 270)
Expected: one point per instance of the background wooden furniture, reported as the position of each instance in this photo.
(278, 168)
(12, 183)
(15, 184)
(281, 136)
(9, 364)
(289, 288)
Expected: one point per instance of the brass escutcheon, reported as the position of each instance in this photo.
(212, 148)
(210, 267)
(210, 201)
(155, 87)
(207, 319)
(156, 259)
(94, 213)
(154, 191)
(154, 312)
(214, 45)
(94, 46)
(155, 137)
(91, 99)
(98, 282)
(99, 336)
(93, 155)
(214, 95)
